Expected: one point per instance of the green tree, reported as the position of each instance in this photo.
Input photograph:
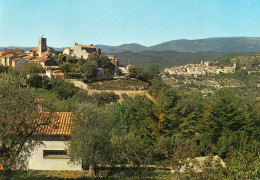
(71, 59)
(20, 118)
(34, 80)
(107, 65)
(59, 59)
(65, 67)
(166, 97)
(184, 117)
(135, 130)
(94, 56)
(178, 152)
(88, 70)
(226, 116)
(4, 69)
(137, 72)
(244, 164)
(90, 136)
(63, 89)
(152, 72)
(99, 51)
(32, 68)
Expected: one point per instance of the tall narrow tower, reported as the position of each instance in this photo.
(42, 46)
(234, 65)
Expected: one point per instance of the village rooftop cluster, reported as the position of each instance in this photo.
(203, 68)
(18, 59)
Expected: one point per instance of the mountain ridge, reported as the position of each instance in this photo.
(214, 44)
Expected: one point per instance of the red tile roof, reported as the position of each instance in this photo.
(35, 49)
(46, 53)
(16, 59)
(58, 74)
(52, 67)
(8, 55)
(42, 74)
(41, 59)
(60, 125)
(87, 46)
(30, 57)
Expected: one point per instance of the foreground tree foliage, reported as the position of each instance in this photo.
(244, 164)
(220, 124)
(90, 136)
(170, 129)
(176, 150)
(135, 130)
(20, 118)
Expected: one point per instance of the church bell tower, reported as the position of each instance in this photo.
(42, 46)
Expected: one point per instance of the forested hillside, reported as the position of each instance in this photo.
(165, 58)
(223, 44)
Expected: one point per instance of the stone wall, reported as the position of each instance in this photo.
(19, 64)
(82, 52)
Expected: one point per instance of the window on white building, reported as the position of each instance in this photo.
(55, 154)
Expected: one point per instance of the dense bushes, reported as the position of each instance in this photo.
(63, 89)
(73, 75)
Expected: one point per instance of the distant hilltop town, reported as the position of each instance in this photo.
(200, 69)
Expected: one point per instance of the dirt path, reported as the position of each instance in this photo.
(79, 84)
(130, 93)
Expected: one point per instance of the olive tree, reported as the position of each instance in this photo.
(90, 136)
(19, 120)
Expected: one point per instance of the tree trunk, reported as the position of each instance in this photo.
(91, 170)
(177, 176)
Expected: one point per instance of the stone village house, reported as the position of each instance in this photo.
(80, 51)
(13, 58)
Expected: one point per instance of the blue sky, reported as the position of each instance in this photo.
(115, 22)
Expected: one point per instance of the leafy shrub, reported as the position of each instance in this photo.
(73, 75)
(63, 89)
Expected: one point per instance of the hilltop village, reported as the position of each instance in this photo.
(18, 59)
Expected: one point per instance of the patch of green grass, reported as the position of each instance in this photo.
(42, 175)
(109, 174)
